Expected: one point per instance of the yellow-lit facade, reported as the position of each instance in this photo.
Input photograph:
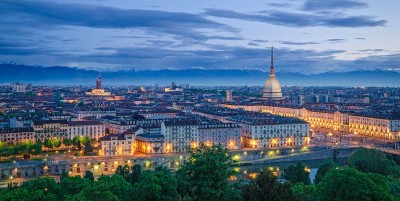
(117, 144)
(227, 134)
(279, 135)
(382, 128)
(375, 127)
(151, 144)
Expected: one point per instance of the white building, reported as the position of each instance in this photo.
(118, 144)
(17, 134)
(50, 129)
(272, 89)
(262, 131)
(82, 113)
(91, 129)
(226, 134)
(180, 135)
(375, 127)
(19, 88)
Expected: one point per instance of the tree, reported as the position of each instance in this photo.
(135, 174)
(67, 142)
(375, 161)
(56, 143)
(116, 185)
(204, 176)
(89, 176)
(35, 149)
(85, 140)
(158, 185)
(46, 184)
(94, 194)
(48, 143)
(123, 171)
(63, 175)
(88, 147)
(266, 187)
(20, 148)
(322, 170)
(77, 142)
(302, 192)
(10, 144)
(351, 185)
(297, 174)
(73, 185)
(20, 194)
(6, 151)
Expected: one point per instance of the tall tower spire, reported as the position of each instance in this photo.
(98, 82)
(272, 57)
(272, 70)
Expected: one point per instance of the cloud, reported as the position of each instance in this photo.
(253, 44)
(298, 43)
(279, 5)
(47, 14)
(315, 5)
(371, 50)
(335, 40)
(289, 19)
(360, 38)
(216, 57)
(260, 41)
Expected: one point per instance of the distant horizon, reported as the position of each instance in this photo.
(52, 76)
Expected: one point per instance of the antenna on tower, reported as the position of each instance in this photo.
(272, 57)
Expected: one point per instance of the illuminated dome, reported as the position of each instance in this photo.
(272, 89)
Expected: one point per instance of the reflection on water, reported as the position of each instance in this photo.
(249, 172)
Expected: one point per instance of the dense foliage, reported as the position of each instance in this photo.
(207, 175)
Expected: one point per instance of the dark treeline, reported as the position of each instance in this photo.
(207, 175)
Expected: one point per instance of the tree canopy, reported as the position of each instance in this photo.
(266, 187)
(349, 184)
(375, 161)
(204, 176)
(297, 174)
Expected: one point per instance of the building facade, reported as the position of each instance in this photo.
(180, 135)
(50, 129)
(117, 144)
(91, 129)
(17, 134)
(226, 134)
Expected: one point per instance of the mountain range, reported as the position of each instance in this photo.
(58, 75)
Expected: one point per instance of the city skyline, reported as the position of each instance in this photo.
(309, 36)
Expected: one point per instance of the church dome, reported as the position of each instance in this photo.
(272, 89)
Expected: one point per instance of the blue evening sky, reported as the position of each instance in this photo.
(309, 36)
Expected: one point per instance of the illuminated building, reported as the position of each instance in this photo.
(263, 130)
(81, 113)
(50, 129)
(370, 124)
(383, 127)
(225, 134)
(149, 140)
(17, 134)
(118, 144)
(272, 89)
(180, 135)
(173, 88)
(228, 95)
(91, 129)
(150, 143)
(98, 91)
